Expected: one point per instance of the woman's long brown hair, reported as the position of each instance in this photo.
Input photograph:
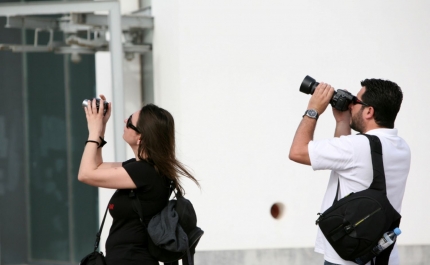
(157, 144)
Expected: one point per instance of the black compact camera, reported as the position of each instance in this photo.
(105, 104)
(340, 100)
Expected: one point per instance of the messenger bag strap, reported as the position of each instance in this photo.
(378, 182)
(96, 245)
(337, 191)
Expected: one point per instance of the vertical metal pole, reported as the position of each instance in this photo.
(115, 44)
(69, 161)
(26, 145)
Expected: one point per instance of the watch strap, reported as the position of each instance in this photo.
(311, 116)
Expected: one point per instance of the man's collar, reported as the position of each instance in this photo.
(392, 132)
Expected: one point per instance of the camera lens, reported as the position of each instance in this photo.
(88, 101)
(340, 100)
(308, 85)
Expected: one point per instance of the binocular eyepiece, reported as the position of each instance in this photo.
(340, 100)
(105, 105)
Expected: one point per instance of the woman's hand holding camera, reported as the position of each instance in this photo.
(95, 118)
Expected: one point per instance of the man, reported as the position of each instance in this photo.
(373, 112)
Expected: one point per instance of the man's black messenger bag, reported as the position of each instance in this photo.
(354, 224)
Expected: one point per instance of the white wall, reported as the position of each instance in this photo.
(229, 71)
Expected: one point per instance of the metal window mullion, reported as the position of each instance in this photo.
(69, 153)
(26, 144)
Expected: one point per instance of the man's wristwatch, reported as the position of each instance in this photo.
(311, 113)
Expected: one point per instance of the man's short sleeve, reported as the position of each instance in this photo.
(334, 154)
(140, 172)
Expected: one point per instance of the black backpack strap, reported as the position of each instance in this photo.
(137, 205)
(189, 258)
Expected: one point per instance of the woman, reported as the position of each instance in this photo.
(150, 134)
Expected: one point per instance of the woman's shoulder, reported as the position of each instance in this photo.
(141, 172)
(129, 161)
(139, 166)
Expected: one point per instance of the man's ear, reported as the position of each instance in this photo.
(369, 113)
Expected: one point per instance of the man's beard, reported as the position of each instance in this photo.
(357, 123)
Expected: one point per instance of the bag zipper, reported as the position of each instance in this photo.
(369, 215)
(350, 228)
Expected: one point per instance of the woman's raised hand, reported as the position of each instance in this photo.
(109, 110)
(95, 118)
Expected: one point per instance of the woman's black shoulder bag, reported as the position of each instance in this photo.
(96, 257)
(354, 224)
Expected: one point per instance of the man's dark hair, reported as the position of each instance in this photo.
(385, 97)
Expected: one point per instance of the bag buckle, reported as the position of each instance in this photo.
(318, 220)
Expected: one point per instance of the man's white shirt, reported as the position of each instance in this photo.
(350, 160)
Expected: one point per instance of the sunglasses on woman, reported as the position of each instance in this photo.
(130, 125)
